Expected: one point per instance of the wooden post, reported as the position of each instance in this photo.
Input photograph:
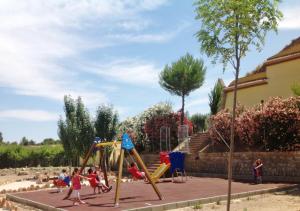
(86, 158)
(104, 169)
(141, 163)
(117, 193)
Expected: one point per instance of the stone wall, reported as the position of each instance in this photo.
(278, 166)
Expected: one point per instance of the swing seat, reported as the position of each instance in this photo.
(59, 183)
(62, 183)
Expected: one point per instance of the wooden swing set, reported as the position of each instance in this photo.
(126, 145)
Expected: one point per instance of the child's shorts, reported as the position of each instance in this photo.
(76, 194)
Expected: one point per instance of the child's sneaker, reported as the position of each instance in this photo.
(76, 204)
(82, 202)
(110, 187)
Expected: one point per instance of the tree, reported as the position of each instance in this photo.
(215, 97)
(199, 122)
(24, 141)
(85, 128)
(1, 138)
(31, 142)
(183, 77)
(106, 126)
(49, 141)
(76, 132)
(228, 29)
(106, 122)
(296, 89)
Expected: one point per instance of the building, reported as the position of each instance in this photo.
(273, 78)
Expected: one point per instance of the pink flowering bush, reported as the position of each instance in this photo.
(272, 126)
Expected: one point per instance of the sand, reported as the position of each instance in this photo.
(280, 201)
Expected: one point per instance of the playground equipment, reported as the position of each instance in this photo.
(126, 145)
(97, 145)
(183, 139)
(177, 165)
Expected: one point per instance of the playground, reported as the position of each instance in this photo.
(139, 194)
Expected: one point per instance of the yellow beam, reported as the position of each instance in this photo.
(111, 143)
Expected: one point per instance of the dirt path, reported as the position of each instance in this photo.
(280, 201)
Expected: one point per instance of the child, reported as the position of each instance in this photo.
(94, 182)
(259, 172)
(136, 173)
(77, 186)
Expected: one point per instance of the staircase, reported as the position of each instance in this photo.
(153, 163)
(198, 142)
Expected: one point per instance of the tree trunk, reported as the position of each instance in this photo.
(230, 157)
(182, 111)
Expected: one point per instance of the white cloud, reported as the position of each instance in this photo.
(29, 115)
(38, 36)
(291, 18)
(129, 71)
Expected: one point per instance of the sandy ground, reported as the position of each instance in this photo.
(279, 201)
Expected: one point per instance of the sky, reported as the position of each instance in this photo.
(107, 52)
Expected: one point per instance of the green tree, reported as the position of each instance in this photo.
(24, 141)
(215, 97)
(49, 141)
(106, 122)
(1, 138)
(199, 122)
(296, 89)
(85, 128)
(228, 29)
(106, 127)
(183, 77)
(31, 142)
(76, 132)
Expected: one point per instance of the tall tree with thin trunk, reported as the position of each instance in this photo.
(76, 131)
(228, 29)
(215, 98)
(106, 126)
(183, 77)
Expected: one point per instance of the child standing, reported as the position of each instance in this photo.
(76, 187)
(259, 171)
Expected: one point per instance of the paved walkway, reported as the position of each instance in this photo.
(139, 194)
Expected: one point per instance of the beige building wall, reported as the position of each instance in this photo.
(280, 76)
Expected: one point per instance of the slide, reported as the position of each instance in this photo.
(160, 171)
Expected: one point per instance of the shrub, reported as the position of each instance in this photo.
(272, 126)
(12, 155)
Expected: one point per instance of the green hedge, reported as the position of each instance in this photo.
(13, 155)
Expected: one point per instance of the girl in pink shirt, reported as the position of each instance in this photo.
(77, 186)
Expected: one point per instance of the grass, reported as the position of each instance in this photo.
(198, 206)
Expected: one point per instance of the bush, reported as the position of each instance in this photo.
(13, 155)
(272, 126)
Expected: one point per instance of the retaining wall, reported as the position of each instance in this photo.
(278, 166)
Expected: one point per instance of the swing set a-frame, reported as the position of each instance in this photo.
(126, 145)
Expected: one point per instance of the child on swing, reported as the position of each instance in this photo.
(95, 182)
(133, 170)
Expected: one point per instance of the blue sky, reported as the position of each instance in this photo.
(107, 51)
